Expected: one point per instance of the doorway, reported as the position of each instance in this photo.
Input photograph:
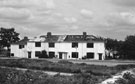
(62, 55)
(100, 56)
(29, 54)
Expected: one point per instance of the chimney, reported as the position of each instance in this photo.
(49, 34)
(26, 37)
(84, 35)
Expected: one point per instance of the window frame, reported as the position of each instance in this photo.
(12, 54)
(21, 46)
(74, 44)
(90, 56)
(90, 45)
(75, 53)
(51, 44)
(37, 44)
(37, 55)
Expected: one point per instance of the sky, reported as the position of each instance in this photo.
(106, 18)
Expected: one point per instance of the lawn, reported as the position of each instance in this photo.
(83, 73)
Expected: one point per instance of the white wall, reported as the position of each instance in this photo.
(82, 49)
(22, 53)
(31, 48)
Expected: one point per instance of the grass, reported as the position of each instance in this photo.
(12, 76)
(64, 66)
(84, 74)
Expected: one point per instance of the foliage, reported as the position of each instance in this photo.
(12, 76)
(128, 47)
(84, 74)
(43, 54)
(127, 78)
(8, 36)
(64, 66)
(112, 44)
(125, 49)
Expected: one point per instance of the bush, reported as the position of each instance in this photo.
(127, 78)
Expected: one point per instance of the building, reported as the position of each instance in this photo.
(61, 46)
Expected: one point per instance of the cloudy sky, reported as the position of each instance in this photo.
(106, 18)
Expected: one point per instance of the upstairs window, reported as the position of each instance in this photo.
(74, 54)
(21, 46)
(52, 45)
(90, 45)
(75, 45)
(37, 44)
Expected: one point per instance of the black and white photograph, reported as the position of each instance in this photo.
(67, 41)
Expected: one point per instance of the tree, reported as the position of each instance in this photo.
(8, 36)
(128, 47)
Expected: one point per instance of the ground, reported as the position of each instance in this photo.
(55, 71)
(99, 62)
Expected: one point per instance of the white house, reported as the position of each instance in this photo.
(62, 47)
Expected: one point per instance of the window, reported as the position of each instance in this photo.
(74, 45)
(90, 45)
(51, 54)
(51, 44)
(37, 44)
(12, 54)
(74, 54)
(37, 53)
(90, 55)
(21, 46)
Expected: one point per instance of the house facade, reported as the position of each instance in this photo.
(62, 47)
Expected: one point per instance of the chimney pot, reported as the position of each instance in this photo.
(25, 37)
(49, 34)
(84, 35)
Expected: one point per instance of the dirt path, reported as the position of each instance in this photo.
(117, 76)
(46, 72)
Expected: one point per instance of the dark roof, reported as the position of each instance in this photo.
(80, 38)
(53, 38)
(22, 42)
(72, 38)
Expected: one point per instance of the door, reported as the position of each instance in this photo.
(60, 55)
(29, 54)
(65, 55)
(100, 56)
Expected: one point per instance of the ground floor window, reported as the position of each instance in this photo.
(12, 54)
(37, 53)
(74, 54)
(90, 55)
(51, 54)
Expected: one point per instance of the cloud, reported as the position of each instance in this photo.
(14, 14)
(70, 20)
(28, 3)
(86, 13)
(122, 19)
(126, 3)
(50, 4)
(64, 16)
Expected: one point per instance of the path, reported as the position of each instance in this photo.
(46, 72)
